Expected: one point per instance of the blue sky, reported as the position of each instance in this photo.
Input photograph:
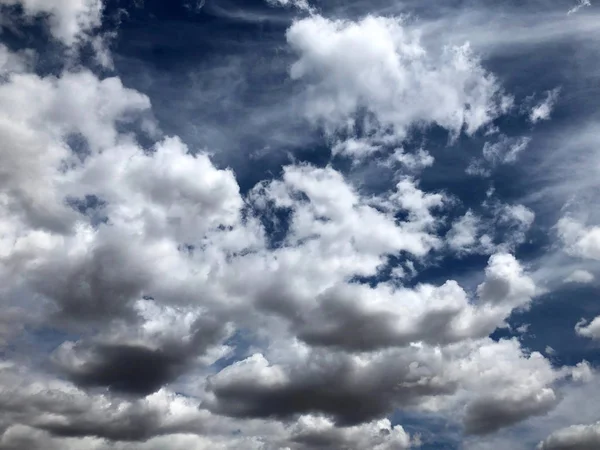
(299, 224)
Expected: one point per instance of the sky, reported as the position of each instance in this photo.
(299, 224)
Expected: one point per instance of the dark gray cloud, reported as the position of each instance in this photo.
(97, 286)
(490, 414)
(139, 424)
(129, 369)
(330, 384)
(137, 368)
(343, 322)
(343, 325)
(355, 317)
(65, 411)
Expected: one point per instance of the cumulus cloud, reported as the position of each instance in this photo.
(347, 388)
(166, 345)
(523, 387)
(582, 372)
(463, 234)
(590, 330)
(320, 433)
(575, 437)
(578, 239)
(66, 411)
(490, 414)
(357, 317)
(505, 282)
(340, 386)
(392, 76)
(412, 161)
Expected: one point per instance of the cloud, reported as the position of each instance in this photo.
(356, 317)
(582, 372)
(141, 366)
(505, 151)
(302, 5)
(543, 110)
(590, 330)
(350, 389)
(522, 387)
(13, 62)
(505, 282)
(320, 433)
(581, 4)
(578, 239)
(339, 215)
(575, 437)
(65, 411)
(463, 234)
(399, 83)
(69, 20)
(355, 148)
(580, 276)
(19, 437)
(344, 387)
(490, 414)
(498, 228)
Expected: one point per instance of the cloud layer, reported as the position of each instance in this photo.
(153, 300)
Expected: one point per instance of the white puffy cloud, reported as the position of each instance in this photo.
(582, 372)
(518, 220)
(590, 330)
(522, 386)
(575, 437)
(505, 282)
(578, 239)
(379, 65)
(341, 218)
(463, 235)
(312, 432)
(35, 135)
